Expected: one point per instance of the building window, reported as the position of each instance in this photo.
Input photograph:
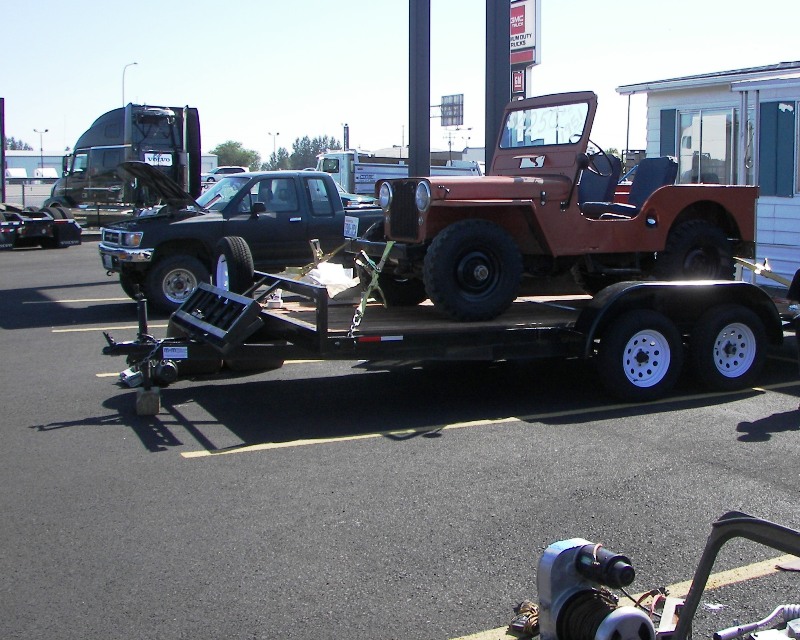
(706, 146)
(777, 149)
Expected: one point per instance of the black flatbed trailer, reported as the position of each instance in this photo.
(636, 332)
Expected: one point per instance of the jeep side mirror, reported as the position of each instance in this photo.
(582, 160)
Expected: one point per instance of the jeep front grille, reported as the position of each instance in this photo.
(404, 214)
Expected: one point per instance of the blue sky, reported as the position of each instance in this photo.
(255, 67)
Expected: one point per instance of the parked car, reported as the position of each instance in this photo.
(221, 172)
(354, 199)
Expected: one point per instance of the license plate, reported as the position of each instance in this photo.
(350, 227)
(107, 262)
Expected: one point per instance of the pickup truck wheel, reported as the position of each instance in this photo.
(696, 250)
(233, 264)
(172, 280)
(129, 284)
(472, 270)
(727, 348)
(640, 356)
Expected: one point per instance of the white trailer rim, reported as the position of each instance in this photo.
(646, 358)
(735, 350)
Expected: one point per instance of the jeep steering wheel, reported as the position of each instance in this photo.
(592, 166)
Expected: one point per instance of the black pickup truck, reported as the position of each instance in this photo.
(167, 250)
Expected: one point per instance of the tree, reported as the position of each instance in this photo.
(305, 150)
(232, 153)
(17, 145)
(278, 160)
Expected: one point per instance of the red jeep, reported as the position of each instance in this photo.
(547, 207)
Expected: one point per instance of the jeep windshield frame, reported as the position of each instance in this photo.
(547, 125)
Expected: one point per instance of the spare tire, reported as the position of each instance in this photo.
(233, 264)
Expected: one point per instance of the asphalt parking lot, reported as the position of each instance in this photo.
(345, 500)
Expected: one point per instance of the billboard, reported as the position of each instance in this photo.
(525, 32)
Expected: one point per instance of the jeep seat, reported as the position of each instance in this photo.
(651, 174)
(596, 188)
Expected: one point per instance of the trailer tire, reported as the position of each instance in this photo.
(472, 270)
(640, 355)
(192, 367)
(696, 250)
(172, 279)
(727, 348)
(233, 264)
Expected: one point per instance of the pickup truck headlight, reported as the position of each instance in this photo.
(422, 196)
(385, 196)
(131, 239)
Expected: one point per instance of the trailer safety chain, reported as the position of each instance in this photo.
(364, 261)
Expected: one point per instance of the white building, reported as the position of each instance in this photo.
(736, 127)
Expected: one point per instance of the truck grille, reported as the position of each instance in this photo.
(404, 214)
(110, 236)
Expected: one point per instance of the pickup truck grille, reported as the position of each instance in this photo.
(404, 214)
(111, 236)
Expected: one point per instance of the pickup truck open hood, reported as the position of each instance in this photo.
(159, 184)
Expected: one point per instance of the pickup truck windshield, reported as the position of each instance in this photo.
(221, 193)
(550, 125)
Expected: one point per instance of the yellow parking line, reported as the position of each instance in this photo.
(540, 417)
(679, 590)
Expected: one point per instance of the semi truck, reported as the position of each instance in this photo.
(359, 171)
(168, 138)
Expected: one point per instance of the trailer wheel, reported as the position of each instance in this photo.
(233, 264)
(172, 280)
(193, 366)
(696, 250)
(640, 355)
(472, 270)
(727, 348)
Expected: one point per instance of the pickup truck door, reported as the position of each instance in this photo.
(277, 236)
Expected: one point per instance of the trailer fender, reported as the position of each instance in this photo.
(683, 302)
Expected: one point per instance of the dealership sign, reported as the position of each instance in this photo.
(525, 32)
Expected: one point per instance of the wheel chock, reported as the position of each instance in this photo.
(148, 401)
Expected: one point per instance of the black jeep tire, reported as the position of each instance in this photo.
(727, 348)
(696, 250)
(640, 356)
(171, 280)
(233, 264)
(472, 270)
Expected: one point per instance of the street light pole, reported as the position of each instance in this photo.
(130, 64)
(274, 142)
(41, 146)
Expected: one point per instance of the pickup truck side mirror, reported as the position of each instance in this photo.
(258, 207)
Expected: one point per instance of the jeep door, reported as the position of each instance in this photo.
(275, 230)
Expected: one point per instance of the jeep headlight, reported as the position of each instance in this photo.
(385, 196)
(131, 239)
(422, 196)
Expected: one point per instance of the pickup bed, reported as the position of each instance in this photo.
(165, 252)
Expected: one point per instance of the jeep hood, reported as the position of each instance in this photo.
(159, 184)
(499, 188)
